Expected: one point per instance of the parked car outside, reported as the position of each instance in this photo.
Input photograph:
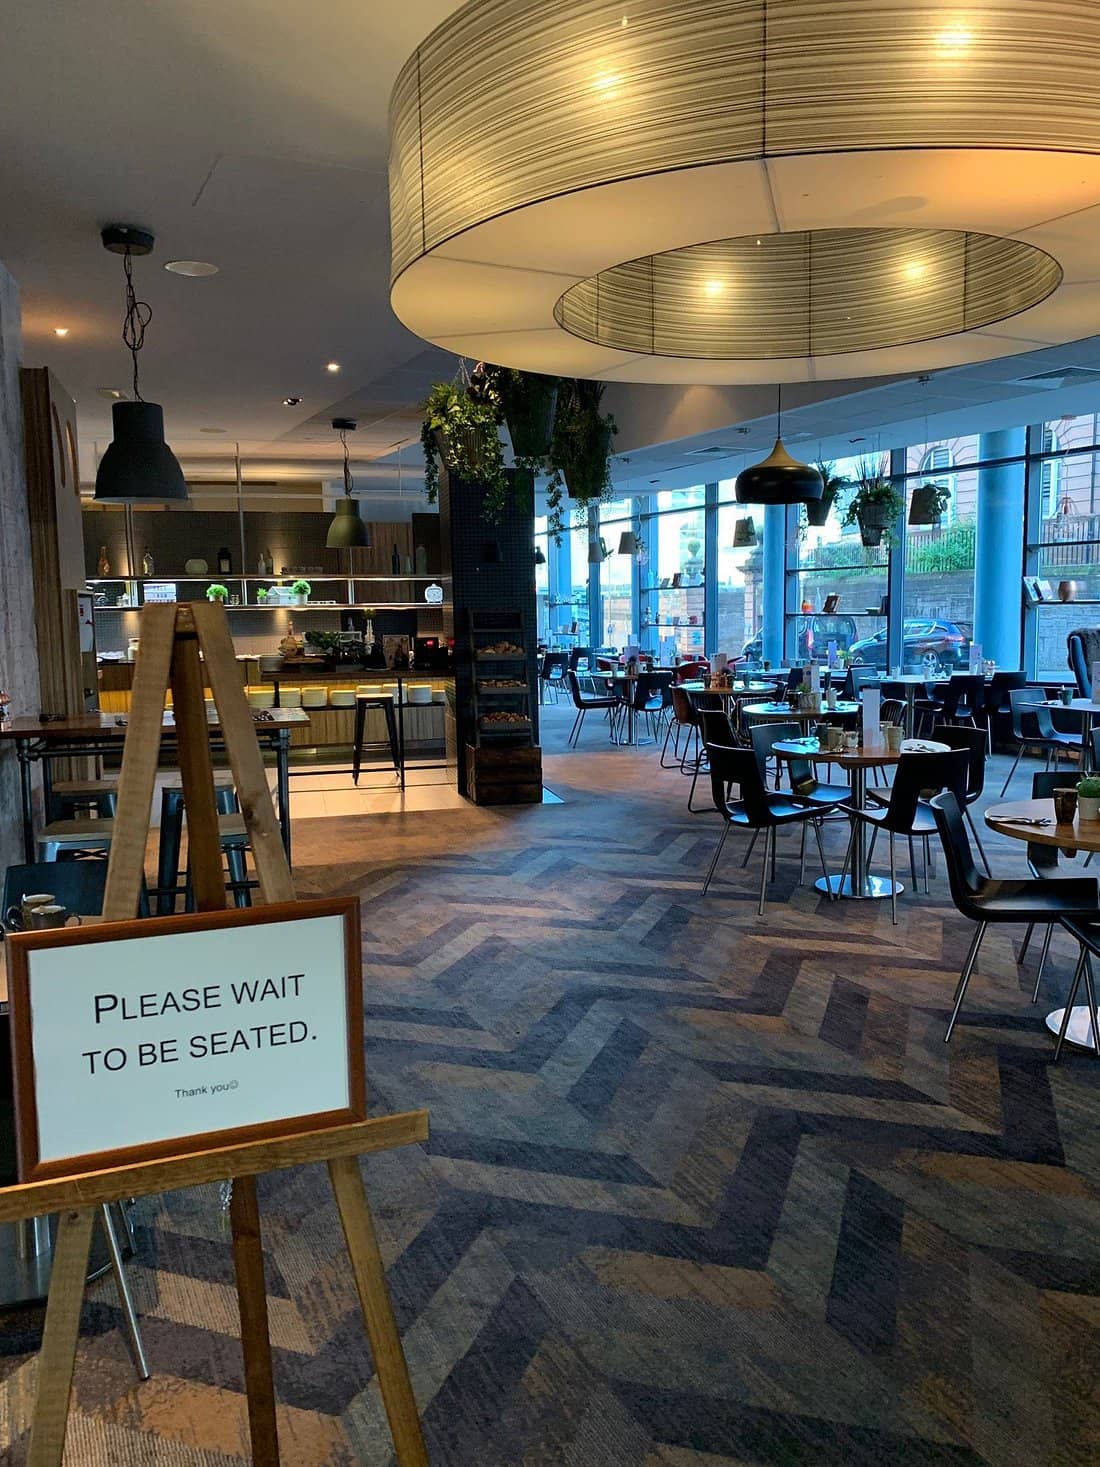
(815, 632)
(930, 643)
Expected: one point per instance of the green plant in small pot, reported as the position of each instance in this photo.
(818, 510)
(580, 453)
(928, 504)
(300, 592)
(1088, 798)
(261, 595)
(876, 504)
(460, 429)
(217, 593)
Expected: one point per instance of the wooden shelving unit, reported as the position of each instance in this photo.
(503, 764)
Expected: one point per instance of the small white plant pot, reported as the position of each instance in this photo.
(1088, 807)
(300, 598)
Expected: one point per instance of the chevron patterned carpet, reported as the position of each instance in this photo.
(703, 1189)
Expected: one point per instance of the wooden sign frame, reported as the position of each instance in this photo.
(24, 945)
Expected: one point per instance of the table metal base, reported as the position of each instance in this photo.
(1079, 1034)
(874, 888)
(26, 1258)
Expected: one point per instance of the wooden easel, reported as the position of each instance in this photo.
(171, 638)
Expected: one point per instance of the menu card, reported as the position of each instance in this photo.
(872, 733)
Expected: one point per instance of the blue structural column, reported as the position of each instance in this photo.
(775, 576)
(999, 548)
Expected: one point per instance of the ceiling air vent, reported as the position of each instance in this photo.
(1060, 377)
(716, 450)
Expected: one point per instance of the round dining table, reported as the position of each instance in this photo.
(860, 885)
(1016, 818)
(784, 713)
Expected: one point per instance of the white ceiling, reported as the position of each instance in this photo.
(254, 136)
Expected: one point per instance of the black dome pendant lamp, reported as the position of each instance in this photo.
(347, 530)
(779, 479)
(138, 466)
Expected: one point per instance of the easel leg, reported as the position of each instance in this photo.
(248, 1257)
(374, 1299)
(58, 1353)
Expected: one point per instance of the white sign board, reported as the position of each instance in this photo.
(872, 735)
(171, 1035)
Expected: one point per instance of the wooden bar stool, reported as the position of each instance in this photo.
(72, 798)
(66, 837)
(384, 703)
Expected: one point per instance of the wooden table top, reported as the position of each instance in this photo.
(1081, 835)
(113, 725)
(852, 759)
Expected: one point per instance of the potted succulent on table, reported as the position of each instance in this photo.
(928, 504)
(217, 593)
(818, 510)
(1088, 798)
(876, 504)
(300, 592)
(261, 595)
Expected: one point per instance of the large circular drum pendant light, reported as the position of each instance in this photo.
(346, 530)
(720, 191)
(138, 466)
(779, 479)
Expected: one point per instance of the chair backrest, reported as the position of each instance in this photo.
(892, 710)
(553, 666)
(973, 740)
(579, 655)
(682, 710)
(1083, 649)
(962, 875)
(78, 885)
(717, 729)
(574, 688)
(1040, 856)
(1029, 722)
(738, 766)
(1000, 685)
(687, 672)
(764, 736)
(647, 685)
(966, 689)
(861, 677)
(916, 775)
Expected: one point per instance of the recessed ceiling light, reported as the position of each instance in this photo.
(112, 394)
(61, 331)
(213, 430)
(332, 366)
(192, 268)
(291, 401)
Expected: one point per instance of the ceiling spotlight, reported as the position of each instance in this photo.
(112, 394)
(332, 366)
(291, 401)
(194, 269)
(61, 331)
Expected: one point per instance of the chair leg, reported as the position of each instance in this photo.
(573, 732)
(714, 859)
(964, 979)
(1012, 771)
(748, 853)
(125, 1299)
(1042, 962)
(1090, 998)
(802, 856)
(912, 862)
(927, 862)
(769, 840)
(824, 868)
(1076, 984)
(847, 858)
(977, 841)
(1025, 943)
(773, 852)
(893, 885)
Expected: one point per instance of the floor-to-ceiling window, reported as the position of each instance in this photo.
(617, 622)
(673, 582)
(938, 604)
(739, 576)
(1064, 553)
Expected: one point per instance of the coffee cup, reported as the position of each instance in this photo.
(1065, 806)
(851, 741)
(821, 734)
(892, 733)
(51, 915)
(18, 917)
(1066, 695)
(834, 737)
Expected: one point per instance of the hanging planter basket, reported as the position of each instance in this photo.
(585, 475)
(874, 521)
(529, 412)
(817, 510)
(463, 450)
(924, 506)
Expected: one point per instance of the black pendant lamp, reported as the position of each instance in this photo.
(138, 467)
(779, 479)
(346, 530)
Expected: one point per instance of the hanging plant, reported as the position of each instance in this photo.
(460, 429)
(528, 402)
(876, 504)
(580, 452)
(928, 504)
(818, 510)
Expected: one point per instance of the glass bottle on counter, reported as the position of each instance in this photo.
(395, 562)
(103, 565)
(225, 562)
(147, 566)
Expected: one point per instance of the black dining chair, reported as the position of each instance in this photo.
(1042, 861)
(763, 737)
(756, 809)
(1088, 935)
(1033, 728)
(987, 899)
(610, 705)
(996, 699)
(905, 813)
(78, 885)
(975, 742)
(552, 674)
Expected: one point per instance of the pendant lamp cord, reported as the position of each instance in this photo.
(138, 316)
(779, 410)
(348, 480)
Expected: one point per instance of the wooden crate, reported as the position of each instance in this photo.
(505, 775)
